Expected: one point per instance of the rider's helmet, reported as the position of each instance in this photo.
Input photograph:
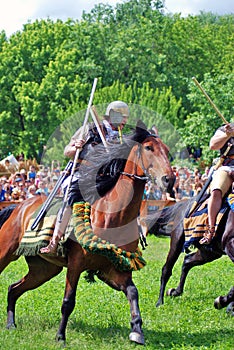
(117, 112)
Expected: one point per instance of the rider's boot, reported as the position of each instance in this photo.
(60, 227)
(208, 235)
(53, 244)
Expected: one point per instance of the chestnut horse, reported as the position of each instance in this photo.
(222, 244)
(117, 211)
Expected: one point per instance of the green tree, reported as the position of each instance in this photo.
(201, 124)
(138, 53)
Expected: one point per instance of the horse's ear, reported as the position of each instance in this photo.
(153, 130)
(140, 126)
(141, 132)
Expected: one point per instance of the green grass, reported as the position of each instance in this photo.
(101, 316)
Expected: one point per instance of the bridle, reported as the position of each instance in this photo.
(147, 176)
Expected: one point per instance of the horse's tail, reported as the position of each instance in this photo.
(5, 213)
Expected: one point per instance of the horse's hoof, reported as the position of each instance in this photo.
(137, 338)
(217, 303)
(11, 326)
(230, 309)
(60, 339)
(170, 292)
(159, 303)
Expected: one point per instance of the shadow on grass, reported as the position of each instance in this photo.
(167, 340)
(155, 339)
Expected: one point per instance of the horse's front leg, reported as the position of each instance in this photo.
(176, 245)
(73, 274)
(66, 310)
(228, 236)
(191, 260)
(131, 293)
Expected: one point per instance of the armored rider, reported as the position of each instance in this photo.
(113, 122)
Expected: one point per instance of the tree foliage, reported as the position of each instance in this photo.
(140, 55)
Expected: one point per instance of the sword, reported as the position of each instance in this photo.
(51, 196)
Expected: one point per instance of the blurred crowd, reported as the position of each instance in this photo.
(188, 184)
(19, 184)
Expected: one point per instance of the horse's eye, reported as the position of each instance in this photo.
(148, 148)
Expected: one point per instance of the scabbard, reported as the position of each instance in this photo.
(51, 196)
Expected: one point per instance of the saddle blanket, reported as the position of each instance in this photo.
(34, 240)
(79, 229)
(196, 224)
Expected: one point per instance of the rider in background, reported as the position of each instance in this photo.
(222, 177)
(113, 122)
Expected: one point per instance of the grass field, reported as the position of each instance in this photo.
(101, 316)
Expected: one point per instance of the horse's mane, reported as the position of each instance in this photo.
(170, 216)
(101, 168)
(5, 213)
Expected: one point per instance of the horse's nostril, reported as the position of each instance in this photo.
(165, 179)
(168, 182)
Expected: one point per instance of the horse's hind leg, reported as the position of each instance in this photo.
(40, 271)
(176, 245)
(74, 269)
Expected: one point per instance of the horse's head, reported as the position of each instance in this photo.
(153, 158)
(155, 161)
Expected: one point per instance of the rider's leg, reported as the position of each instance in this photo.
(60, 227)
(219, 186)
(214, 205)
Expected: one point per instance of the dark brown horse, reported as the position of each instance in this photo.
(116, 212)
(222, 244)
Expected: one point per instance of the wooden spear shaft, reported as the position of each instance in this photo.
(79, 149)
(210, 101)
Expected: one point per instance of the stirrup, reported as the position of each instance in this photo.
(208, 235)
(51, 248)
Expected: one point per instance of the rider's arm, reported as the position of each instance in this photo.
(77, 141)
(221, 137)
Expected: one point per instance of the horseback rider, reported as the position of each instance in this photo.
(113, 122)
(222, 177)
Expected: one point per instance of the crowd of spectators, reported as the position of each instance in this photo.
(19, 183)
(188, 184)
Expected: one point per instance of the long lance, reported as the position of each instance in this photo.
(221, 159)
(209, 100)
(51, 196)
(78, 149)
(69, 168)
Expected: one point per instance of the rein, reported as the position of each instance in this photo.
(142, 178)
(133, 176)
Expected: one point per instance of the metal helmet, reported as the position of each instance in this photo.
(116, 111)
